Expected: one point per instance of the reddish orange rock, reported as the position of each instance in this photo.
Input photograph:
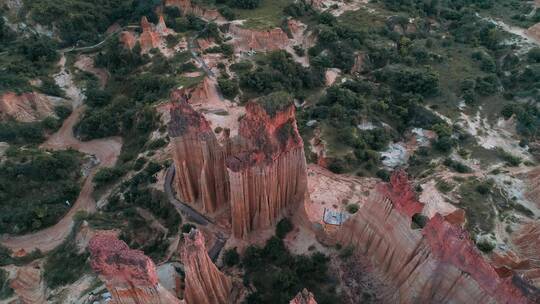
(129, 275)
(128, 40)
(304, 297)
(401, 193)
(438, 264)
(187, 7)
(253, 40)
(271, 177)
(205, 284)
(29, 285)
(198, 157)
(26, 107)
(149, 38)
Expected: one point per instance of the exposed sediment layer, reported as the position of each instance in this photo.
(187, 7)
(199, 159)
(129, 275)
(205, 284)
(258, 174)
(437, 264)
(29, 285)
(304, 297)
(254, 40)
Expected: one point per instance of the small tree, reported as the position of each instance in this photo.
(231, 257)
(283, 228)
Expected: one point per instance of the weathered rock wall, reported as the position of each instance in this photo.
(438, 264)
(271, 177)
(205, 284)
(129, 275)
(26, 107)
(199, 159)
(254, 40)
(186, 7)
(29, 285)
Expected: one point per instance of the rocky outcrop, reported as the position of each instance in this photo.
(526, 242)
(258, 174)
(304, 297)
(437, 264)
(129, 275)
(253, 40)
(198, 158)
(187, 7)
(359, 63)
(26, 107)
(128, 39)
(150, 38)
(205, 284)
(271, 176)
(534, 32)
(29, 285)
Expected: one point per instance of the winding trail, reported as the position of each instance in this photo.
(105, 150)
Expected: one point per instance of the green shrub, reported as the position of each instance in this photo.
(283, 227)
(231, 257)
(186, 228)
(485, 245)
(229, 87)
(65, 265)
(107, 175)
(5, 290)
(352, 208)
(245, 4)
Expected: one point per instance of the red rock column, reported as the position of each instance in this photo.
(199, 159)
(260, 193)
(205, 284)
(304, 297)
(129, 275)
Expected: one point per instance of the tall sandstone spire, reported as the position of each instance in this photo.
(258, 174)
(205, 284)
(129, 275)
(269, 177)
(198, 157)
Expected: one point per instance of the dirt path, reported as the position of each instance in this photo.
(105, 150)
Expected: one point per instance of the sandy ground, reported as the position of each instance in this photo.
(335, 192)
(105, 150)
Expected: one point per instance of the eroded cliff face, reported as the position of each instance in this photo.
(257, 174)
(29, 285)
(150, 38)
(269, 178)
(199, 159)
(187, 7)
(205, 284)
(436, 264)
(304, 297)
(26, 107)
(253, 40)
(129, 275)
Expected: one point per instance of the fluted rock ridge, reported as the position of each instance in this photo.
(198, 157)
(437, 264)
(266, 180)
(129, 275)
(187, 7)
(259, 173)
(205, 284)
(258, 40)
(304, 297)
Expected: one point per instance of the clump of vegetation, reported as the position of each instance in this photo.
(231, 257)
(64, 265)
(5, 290)
(485, 245)
(275, 102)
(51, 182)
(278, 275)
(229, 87)
(283, 227)
(352, 208)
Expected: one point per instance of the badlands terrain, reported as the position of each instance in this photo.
(258, 151)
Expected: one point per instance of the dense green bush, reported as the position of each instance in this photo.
(278, 275)
(229, 87)
(65, 265)
(283, 227)
(231, 257)
(49, 180)
(245, 4)
(5, 290)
